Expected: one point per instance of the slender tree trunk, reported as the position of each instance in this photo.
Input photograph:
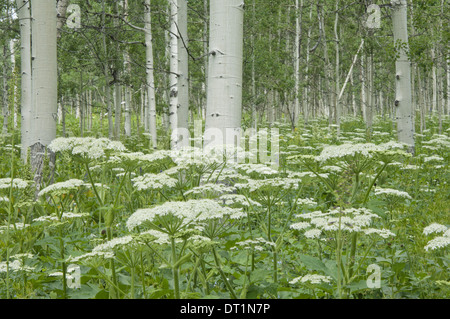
(328, 94)
(183, 67)
(127, 88)
(434, 77)
(151, 101)
(448, 82)
(297, 47)
(44, 83)
(5, 110)
(106, 74)
(405, 124)
(118, 110)
(370, 99)
(363, 89)
(337, 91)
(306, 100)
(61, 9)
(224, 98)
(173, 77)
(14, 106)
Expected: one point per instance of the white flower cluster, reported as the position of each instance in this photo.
(64, 216)
(158, 237)
(189, 211)
(16, 183)
(441, 141)
(154, 181)
(141, 157)
(306, 202)
(434, 228)
(15, 266)
(115, 243)
(236, 199)
(311, 278)
(440, 241)
(256, 168)
(89, 147)
(253, 244)
(392, 192)
(4, 199)
(62, 187)
(91, 255)
(433, 158)
(18, 226)
(351, 220)
(210, 188)
(365, 149)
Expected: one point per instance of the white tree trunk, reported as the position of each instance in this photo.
(5, 109)
(183, 66)
(306, 99)
(404, 112)
(44, 83)
(224, 96)
(448, 82)
(434, 74)
(363, 89)
(127, 89)
(337, 73)
(173, 77)
(61, 9)
(12, 49)
(298, 21)
(151, 101)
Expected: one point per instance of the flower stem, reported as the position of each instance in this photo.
(225, 280)
(175, 269)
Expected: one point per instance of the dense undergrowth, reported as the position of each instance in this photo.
(353, 216)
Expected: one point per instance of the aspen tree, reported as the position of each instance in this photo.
(404, 111)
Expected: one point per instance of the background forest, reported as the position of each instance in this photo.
(99, 200)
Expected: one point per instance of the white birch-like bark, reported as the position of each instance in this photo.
(363, 89)
(224, 96)
(306, 99)
(337, 71)
(448, 82)
(44, 84)
(434, 77)
(151, 100)
(173, 77)
(253, 85)
(117, 110)
(298, 21)
(127, 111)
(183, 67)
(61, 9)
(370, 99)
(127, 88)
(404, 112)
(5, 109)
(14, 107)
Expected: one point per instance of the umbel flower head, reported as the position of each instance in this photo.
(351, 220)
(87, 147)
(16, 183)
(188, 212)
(154, 181)
(62, 187)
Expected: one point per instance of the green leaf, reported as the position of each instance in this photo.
(313, 263)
